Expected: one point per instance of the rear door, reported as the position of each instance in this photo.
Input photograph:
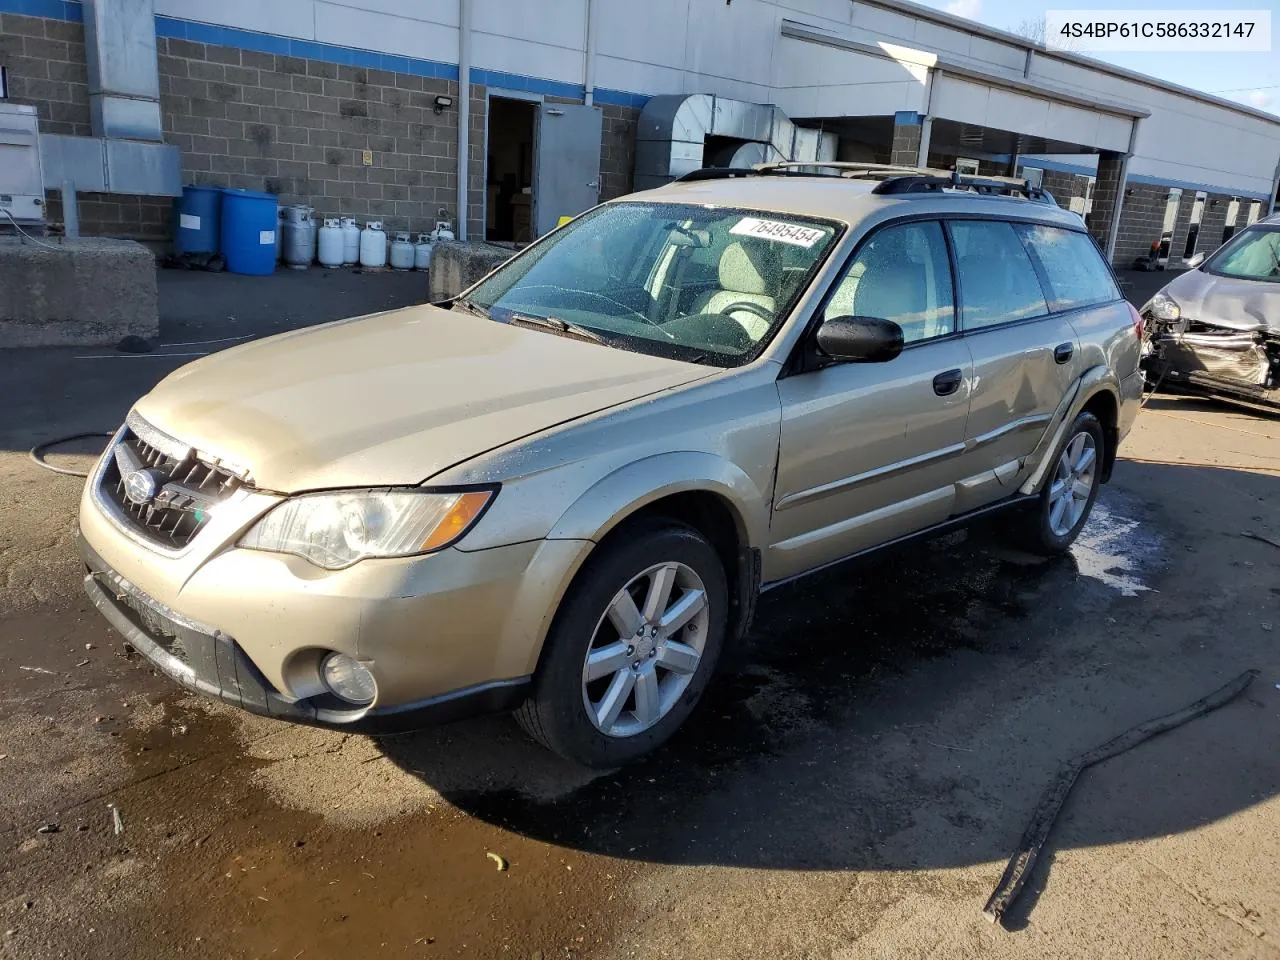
(566, 174)
(1083, 290)
(870, 451)
(1024, 355)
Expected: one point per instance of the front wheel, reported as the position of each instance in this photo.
(632, 648)
(1069, 491)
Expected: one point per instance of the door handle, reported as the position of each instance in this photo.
(594, 184)
(945, 384)
(1063, 352)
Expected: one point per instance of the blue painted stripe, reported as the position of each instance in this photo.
(69, 10)
(907, 118)
(216, 35)
(621, 98)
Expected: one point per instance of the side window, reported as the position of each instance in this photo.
(901, 274)
(1076, 272)
(997, 280)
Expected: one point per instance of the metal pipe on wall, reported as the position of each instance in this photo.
(589, 60)
(464, 115)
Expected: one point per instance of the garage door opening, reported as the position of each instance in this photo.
(509, 178)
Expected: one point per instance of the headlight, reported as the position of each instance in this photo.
(1164, 307)
(335, 530)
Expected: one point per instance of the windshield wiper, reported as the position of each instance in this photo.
(473, 308)
(557, 325)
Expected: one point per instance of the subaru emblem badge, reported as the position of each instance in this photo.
(140, 487)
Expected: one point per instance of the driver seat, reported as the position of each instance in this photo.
(748, 274)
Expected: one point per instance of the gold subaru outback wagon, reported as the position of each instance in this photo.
(561, 492)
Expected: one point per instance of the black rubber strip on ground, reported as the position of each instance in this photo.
(37, 452)
(1051, 801)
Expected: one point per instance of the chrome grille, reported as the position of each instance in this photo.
(184, 486)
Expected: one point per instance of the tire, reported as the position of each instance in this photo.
(565, 710)
(1043, 529)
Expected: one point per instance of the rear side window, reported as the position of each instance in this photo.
(1072, 264)
(998, 282)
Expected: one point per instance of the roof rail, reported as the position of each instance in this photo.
(843, 168)
(717, 173)
(936, 181)
(894, 180)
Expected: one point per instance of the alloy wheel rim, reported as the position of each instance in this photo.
(1072, 484)
(645, 650)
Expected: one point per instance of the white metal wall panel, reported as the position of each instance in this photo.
(799, 63)
(653, 32)
(495, 52)
(562, 23)
(615, 73)
(287, 18)
(388, 33)
(732, 41)
(856, 100)
(971, 102)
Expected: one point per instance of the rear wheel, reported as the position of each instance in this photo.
(1069, 491)
(632, 647)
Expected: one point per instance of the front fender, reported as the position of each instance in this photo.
(631, 488)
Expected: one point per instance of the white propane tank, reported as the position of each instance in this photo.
(443, 231)
(313, 225)
(299, 237)
(373, 245)
(331, 243)
(350, 241)
(422, 253)
(401, 252)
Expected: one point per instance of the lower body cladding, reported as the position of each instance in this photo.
(1241, 364)
(251, 629)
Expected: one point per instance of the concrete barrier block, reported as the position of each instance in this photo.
(456, 266)
(87, 292)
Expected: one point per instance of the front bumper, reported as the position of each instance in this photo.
(208, 661)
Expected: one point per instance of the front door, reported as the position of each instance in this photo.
(566, 173)
(871, 451)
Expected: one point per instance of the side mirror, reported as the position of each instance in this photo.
(1195, 260)
(860, 339)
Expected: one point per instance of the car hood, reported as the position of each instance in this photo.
(1226, 301)
(392, 398)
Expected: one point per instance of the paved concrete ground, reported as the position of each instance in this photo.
(850, 788)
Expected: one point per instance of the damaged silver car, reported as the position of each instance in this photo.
(1216, 328)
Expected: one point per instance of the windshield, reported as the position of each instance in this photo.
(687, 281)
(1253, 255)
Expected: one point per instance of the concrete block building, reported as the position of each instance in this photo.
(505, 115)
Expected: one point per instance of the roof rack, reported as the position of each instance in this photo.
(894, 180)
(935, 181)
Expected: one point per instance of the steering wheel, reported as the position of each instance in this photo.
(746, 306)
(713, 330)
(607, 299)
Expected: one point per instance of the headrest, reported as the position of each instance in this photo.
(750, 268)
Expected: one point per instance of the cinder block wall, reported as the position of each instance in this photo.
(294, 127)
(47, 70)
(1141, 221)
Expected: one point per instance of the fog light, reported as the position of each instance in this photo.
(348, 678)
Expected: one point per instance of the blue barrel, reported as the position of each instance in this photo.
(249, 223)
(197, 216)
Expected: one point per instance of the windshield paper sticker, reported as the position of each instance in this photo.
(779, 232)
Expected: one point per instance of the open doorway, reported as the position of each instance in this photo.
(509, 172)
